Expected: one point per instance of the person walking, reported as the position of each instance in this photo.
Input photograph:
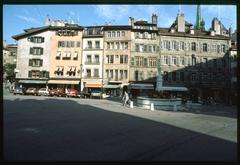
(125, 98)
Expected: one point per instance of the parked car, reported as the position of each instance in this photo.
(18, 90)
(104, 95)
(84, 95)
(96, 93)
(43, 92)
(57, 92)
(32, 91)
(72, 93)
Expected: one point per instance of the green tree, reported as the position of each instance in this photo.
(9, 70)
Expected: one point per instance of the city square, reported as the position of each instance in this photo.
(65, 129)
(129, 82)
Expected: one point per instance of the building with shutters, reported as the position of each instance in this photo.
(117, 50)
(92, 58)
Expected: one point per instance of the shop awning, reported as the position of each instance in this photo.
(141, 86)
(33, 81)
(172, 89)
(93, 85)
(111, 86)
(63, 82)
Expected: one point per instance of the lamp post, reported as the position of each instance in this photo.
(81, 85)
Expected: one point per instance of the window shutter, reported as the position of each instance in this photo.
(30, 62)
(41, 62)
(41, 50)
(31, 51)
(41, 74)
(29, 73)
(42, 39)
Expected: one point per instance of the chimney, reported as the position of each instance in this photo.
(180, 23)
(216, 26)
(154, 19)
(131, 21)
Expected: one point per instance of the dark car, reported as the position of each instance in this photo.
(32, 91)
(57, 92)
(19, 91)
(72, 93)
(84, 95)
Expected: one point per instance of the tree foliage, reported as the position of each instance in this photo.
(9, 70)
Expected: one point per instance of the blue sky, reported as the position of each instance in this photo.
(16, 18)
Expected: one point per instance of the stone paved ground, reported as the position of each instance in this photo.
(45, 128)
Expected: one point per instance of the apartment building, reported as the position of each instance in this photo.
(92, 58)
(144, 55)
(195, 58)
(65, 57)
(33, 64)
(117, 49)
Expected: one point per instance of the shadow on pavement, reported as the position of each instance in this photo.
(65, 130)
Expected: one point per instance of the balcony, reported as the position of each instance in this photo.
(92, 63)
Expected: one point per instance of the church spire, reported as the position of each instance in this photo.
(199, 20)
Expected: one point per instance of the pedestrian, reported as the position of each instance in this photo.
(125, 98)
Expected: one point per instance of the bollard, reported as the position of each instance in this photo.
(174, 107)
(131, 104)
(152, 107)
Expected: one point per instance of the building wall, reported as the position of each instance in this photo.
(61, 61)
(23, 54)
(92, 65)
(117, 52)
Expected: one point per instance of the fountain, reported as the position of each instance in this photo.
(159, 102)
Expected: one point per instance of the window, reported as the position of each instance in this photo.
(96, 59)
(145, 48)
(194, 61)
(109, 34)
(182, 45)
(35, 62)
(90, 31)
(205, 47)
(125, 59)
(112, 45)
(111, 59)
(181, 60)
(174, 45)
(137, 35)
(174, 60)
(113, 34)
(97, 44)
(88, 72)
(137, 48)
(107, 72)
(218, 48)
(121, 59)
(125, 74)
(89, 44)
(36, 51)
(132, 61)
(139, 61)
(116, 75)
(152, 62)
(165, 59)
(145, 62)
(123, 33)
(194, 47)
(96, 73)
(36, 39)
(89, 59)
(59, 71)
(214, 48)
(118, 33)
(121, 74)
(118, 45)
(71, 71)
(111, 74)
(126, 45)
(223, 48)
(78, 44)
(72, 44)
(75, 55)
(108, 45)
(136, 75)
(193, 77)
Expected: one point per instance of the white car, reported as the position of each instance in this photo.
(43, 92)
